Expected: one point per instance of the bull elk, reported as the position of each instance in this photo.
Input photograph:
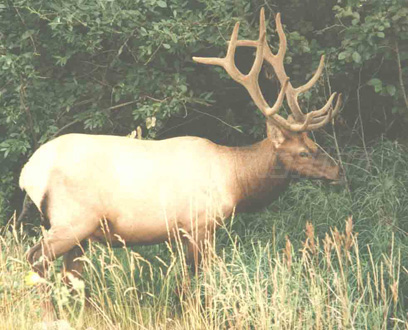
(147, 192)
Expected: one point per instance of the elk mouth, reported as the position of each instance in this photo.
(332, 182)
(332, 179)
(339, 181)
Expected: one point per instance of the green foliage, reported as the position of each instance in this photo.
(375, 37)
(112, 66)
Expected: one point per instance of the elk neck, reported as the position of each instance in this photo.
(257, 174)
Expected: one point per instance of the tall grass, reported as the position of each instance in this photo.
(319, 258)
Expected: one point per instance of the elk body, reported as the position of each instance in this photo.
(145, 192)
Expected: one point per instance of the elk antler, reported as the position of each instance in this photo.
(249, 81)
(304, 122)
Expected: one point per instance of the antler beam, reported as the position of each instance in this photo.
(249, 81)
(303, 122)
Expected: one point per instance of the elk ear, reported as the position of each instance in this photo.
(276, 135)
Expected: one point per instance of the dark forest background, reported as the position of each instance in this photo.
(116, 67)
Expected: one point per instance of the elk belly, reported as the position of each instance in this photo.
(176, 215)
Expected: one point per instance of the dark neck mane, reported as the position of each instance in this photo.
(260, 177)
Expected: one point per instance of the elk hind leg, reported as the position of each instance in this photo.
(56, 242)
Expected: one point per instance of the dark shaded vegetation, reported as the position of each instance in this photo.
(113, 67)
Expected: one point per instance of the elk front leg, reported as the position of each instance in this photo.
(199, 248)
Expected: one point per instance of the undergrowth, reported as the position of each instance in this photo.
(321, 257)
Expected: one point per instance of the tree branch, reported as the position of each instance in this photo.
(401, 80)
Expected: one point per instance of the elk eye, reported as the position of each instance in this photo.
(304, 154)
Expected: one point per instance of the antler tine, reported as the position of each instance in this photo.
(226, 62)
(259, 57)
(274, 110)
(314, 79)
(339, 102)
(229, 61)
(283, 43)
(249, 81)
(322, 111)
(323, 121)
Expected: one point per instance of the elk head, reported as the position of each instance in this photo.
(289, 138)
